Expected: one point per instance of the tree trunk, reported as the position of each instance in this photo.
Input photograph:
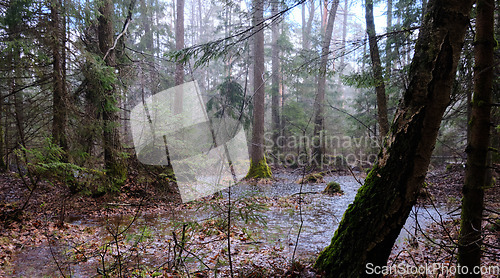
(258, 164)
(151, 72)
(59, 97)
(318, 150)
(276, 80)
(388, 46)
(372, 223)
(147, 20)
(344, 35)
(303, 15)
(179, 40)
(495, 136)
(19, 114)
(324, 16)
(377, 70)
(470, 239)
(179, 76)
(179, 45)
(18, 94)
(3, 164)
(424, 7)
(306, 40)
(113, 159)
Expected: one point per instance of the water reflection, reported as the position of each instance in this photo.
(319, 215)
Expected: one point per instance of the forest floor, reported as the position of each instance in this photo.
(53, 219)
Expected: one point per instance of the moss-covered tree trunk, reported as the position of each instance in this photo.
(470, 239)
(258, 164)
(113, 158)
(374, 220)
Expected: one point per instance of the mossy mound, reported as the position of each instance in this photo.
(312, 178)
(333, 188)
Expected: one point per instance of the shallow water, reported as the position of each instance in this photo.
(316, 217)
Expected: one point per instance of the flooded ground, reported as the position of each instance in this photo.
(288, 226)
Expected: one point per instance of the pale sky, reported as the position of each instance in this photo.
(357, 8)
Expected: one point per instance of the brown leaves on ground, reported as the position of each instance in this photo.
(202, 243)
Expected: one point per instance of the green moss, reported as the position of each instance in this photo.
(168, 174)
(333, 188)
(495, 154)
(427, 16)
(312, 178)
(259, 170)
(368, 180)
(493, 223)
(481, 103)
(449, 167)
(117, 173)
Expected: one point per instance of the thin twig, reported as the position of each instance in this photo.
(353, 175)
(55, 260)
(300, 206)
(229, 232)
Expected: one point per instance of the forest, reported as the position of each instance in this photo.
(249, 138)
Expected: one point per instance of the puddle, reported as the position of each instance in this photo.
(318, 220)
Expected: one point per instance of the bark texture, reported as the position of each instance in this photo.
(60, 94)
(113, 159)
(307, 27)
(383, 122)
(388, 46)
(3, 160)
(179, 40)
(258, 164)
(470, 239)
(344, 34)
(179, 67)
(373, 221)
(275, 89)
